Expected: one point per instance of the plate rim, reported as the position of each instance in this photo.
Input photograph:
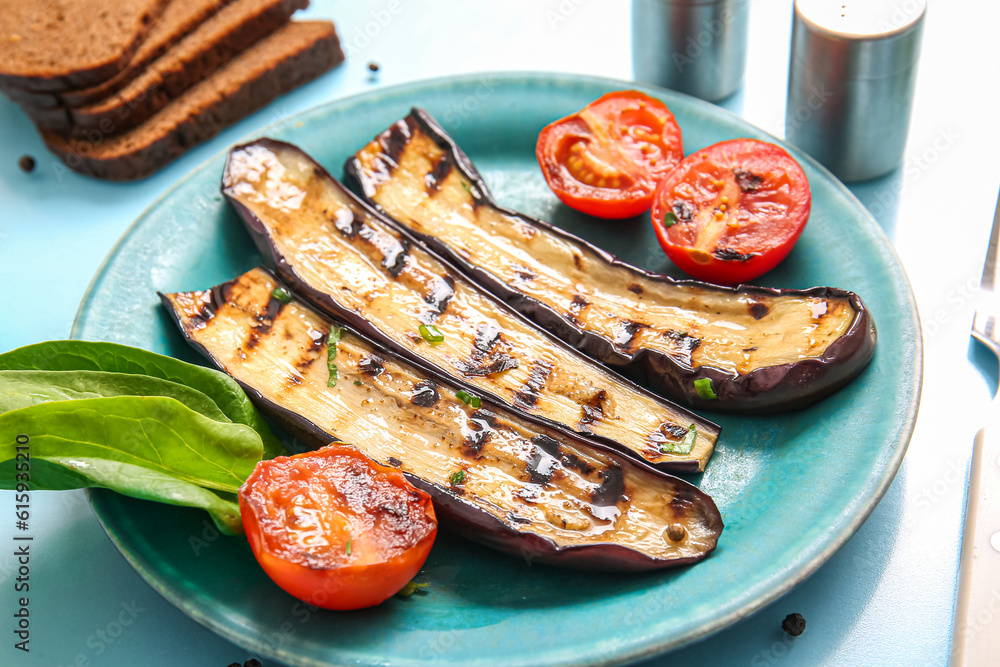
(799, 569)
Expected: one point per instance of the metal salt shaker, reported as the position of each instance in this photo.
(851, 77)
(696, 47)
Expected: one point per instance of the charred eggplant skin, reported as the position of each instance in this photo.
(774, 388)
(357, 321)
(462, 515)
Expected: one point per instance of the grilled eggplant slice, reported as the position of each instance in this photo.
(763, 349)
(500, 480)
(349, 263)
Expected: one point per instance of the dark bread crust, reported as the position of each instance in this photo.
(210, 47)
(214, 43)
(179, 18)
(47, 45)
(293, 55)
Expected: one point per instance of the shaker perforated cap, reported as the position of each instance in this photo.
(858, 38)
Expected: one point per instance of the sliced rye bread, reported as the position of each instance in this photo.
(178, 19)
(293, 55)
(64, 44)
(214, 43)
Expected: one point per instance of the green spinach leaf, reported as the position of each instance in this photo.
(157, 433)
(20, 389)
(59, 473)
(78, 355)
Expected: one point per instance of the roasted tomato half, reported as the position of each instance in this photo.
(335, 529)
(606, 159)
(730, 212)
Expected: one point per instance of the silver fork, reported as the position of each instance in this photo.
(976, 634)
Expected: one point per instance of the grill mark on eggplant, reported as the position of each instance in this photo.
(435, 177)
(514, 518)
(625, 332)
(394, 140)
(685, 344)
(394, 251)
(575, 462)
(612, 487)
(681, 505)
(264, 320)
(344, 221)
(675, 431)
(441, 293)
(576, 306)
(479, 434)
(757, 309)
(425, 394)
(372, 365)
(527, 397)
(485, 358)
(211, 300)
(318, 339)
(635, 288)
(394, 462)
(668, 432)
(593, 411)
(523, 273)
(482, 422)
(543, 461)
(487, 416)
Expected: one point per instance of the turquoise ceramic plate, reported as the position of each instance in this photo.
(792, 488)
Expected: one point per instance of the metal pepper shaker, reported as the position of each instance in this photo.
(696, 47)
(851, 78)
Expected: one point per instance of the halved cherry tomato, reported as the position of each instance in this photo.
(606, 159)
(730, 212)
(335, 529)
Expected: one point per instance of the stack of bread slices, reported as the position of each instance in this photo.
(119, 89)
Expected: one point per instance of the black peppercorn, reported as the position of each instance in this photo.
(794, 624)
(26, 163)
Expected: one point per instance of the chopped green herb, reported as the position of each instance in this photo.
(431, 334)
(281, 294)
(704, 388)
(348, 548)
(357, 382)
(468, 398)
(331, 352)
(683, 447)
(670, 219)
(468, 188)
(410, 588)
(457, 478)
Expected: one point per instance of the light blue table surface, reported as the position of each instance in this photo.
(886, 598)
